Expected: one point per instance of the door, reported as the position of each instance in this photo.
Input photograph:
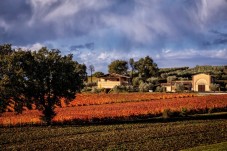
(201, 88)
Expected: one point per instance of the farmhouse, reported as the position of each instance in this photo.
(199, 83)
(109, 81)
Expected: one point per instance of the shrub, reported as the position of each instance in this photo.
(96, 90)
(160, 89)
(86, 89)
(145, 87)
(180, 87)
(91, 84)
(214, 87)
(129, 88)
(119, 88)
(137, 81)
(184, 112)
(167, 113)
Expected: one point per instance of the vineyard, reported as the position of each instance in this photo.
(90, 107)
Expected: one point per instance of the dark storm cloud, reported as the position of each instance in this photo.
(156, 24)
(89, 46)
(13, 11)
(116, 26)
(219, 33)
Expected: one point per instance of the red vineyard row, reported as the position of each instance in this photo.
(115, 110)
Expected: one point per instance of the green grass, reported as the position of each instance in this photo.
(214, 147)
(135, 136)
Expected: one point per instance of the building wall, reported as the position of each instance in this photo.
(107, 84)
(168, 88)
(201, 79)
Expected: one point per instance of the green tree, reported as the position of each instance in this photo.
(145, 87)
(5, 50)
(43, 78)
(180, 87)
(137, 81)
(171, 78)
(118, 66)
(153, 81)
(146, 67)
(98, 74)
(132, 65)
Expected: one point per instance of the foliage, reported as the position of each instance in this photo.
(98, 74)
(164, 75)
(122, 88)
(184, 112)
(166, 70)
(41, 77)
(186, 72)
(86, 89)
(132, 65)
(93, 99)
(214, 87)
(180, 87)
(124, 106)
(118, 66)
(160, 89)
(96, 90)
(171, 78)
(145, 87)
(137, 81)
(91, 84)
(167, 113)
(146, 67)
(119, 88)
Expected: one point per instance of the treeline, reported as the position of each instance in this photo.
(40, 77)
(219, 72)
(146, 75)
(166, 70)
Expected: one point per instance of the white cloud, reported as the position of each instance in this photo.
(4, 25)
(68, 8)
(142, 24)
(192, 53)
(36, 46)
(32, 47)
(103, 56)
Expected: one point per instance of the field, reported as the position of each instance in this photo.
(126, 121)
(134, 136)
(129, 106)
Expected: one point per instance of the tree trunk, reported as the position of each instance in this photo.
(48, 113)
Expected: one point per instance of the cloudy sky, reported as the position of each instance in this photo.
(173, 32)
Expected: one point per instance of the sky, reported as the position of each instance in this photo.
(174, 33)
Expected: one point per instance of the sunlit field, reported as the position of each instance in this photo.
(128, 106)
